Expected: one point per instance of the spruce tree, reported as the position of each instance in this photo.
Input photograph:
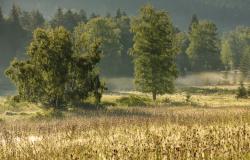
(194, 23)
(154, 52)
(204, 48)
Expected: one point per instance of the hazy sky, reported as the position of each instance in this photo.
(220, 11)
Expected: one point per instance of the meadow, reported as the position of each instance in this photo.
(206, 123)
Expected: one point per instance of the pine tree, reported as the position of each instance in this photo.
(204, 50)
(83, 16)
(118, 13)
(58, 19)
(182, 59)
(154, 52)
(194, 23)
(14, 16)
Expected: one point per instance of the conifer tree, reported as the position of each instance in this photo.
(204, 48)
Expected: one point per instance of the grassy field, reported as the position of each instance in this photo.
(208, 124)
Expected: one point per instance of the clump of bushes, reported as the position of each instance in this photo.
(242, 92)
(133, 100)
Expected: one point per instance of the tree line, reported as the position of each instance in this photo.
(67, 54)
(200, 49)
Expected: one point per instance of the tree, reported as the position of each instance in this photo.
(93, 15)
(83, 16)
(237, 42)
(242, 92)
(245, 63)
(194, 23)
(226, 55)
(58, 19)
(204, 49)
(125, 61)
(16, 36)
(154, 52)
(54, 74)
(106, 31)
(182, 59)
(31, 20)
(37, 19)
(118, 13)
(14, 15)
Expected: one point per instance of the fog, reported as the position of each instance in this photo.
(225, 13)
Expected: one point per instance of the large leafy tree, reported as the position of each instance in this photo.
(204, 48)
(154, 51)
(54, 74)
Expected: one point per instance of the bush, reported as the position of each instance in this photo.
(133, 100)
(242, 92)
(188, 97)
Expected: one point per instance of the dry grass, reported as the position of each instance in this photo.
(212, 126)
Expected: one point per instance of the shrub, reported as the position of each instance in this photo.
(188, 97)
(242, 92)
(133, 100)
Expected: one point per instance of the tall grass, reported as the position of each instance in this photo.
(162, 133)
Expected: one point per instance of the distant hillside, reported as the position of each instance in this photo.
(226, 13)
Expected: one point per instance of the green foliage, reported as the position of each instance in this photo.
(182, 59)
(235, 44)
(245, 64)
(154, 51)
(106, 31)
(242, 92)
(68, 19)
(226, 55)
(188, 97)
(133, 101)
(204, 48)
(31, 20)
(194, 23)
(54, 74)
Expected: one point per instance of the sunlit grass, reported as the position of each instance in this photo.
(210, 125)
